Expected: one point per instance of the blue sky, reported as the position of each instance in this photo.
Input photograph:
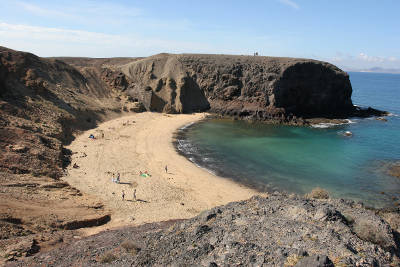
(348, 33)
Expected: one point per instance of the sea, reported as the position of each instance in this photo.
(296, 159)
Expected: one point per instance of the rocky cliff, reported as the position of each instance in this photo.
(263, 88)
(42, 102)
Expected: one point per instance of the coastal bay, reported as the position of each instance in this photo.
(143, 142)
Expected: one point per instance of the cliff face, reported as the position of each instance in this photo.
(162, 84)
(246, 86)
(41, 102)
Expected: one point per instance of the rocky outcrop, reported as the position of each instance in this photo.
(262, 88)
(281, 230)
(162, 84)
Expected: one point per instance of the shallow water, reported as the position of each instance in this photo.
(297, 159)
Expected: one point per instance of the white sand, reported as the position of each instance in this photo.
(143, 142)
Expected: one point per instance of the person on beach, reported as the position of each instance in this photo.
(117, 180)
(166, 169)
(123, 195)
(112, 178)
(134, 195)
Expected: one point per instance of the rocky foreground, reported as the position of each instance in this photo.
(280, 230)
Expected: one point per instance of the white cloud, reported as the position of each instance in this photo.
(376, 59)
(368, 58)
(46, 41)
(290, 3)
(363, 61)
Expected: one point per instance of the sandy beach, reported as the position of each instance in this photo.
(143, 142)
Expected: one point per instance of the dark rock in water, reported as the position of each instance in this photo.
(391, 167)
(368, 112)
(394, 170)
(381, 119)
(273, 231)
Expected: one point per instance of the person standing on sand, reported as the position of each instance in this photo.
(123, 195)
(134, 195)
(166, 169)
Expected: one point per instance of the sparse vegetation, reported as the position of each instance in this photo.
(318, 193)
(130, 247)
(292, 260)
(349, 219)
(368, 232)
(108, 257)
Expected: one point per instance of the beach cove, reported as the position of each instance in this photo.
(143, 142)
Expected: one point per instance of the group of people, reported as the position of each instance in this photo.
(116, 179)
(145, 174)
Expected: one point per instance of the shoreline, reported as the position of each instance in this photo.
(200, 156)
(144, 142)
(180, 136)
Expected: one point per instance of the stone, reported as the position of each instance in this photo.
(315, 261)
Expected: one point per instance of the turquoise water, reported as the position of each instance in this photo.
(297, 159)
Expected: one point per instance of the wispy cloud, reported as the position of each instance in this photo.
(37, 10)
(46, 41)
(290, 3)
(363, 61)
(84, 12)
(377, 59)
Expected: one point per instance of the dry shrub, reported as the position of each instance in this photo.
(292, 260)
(130, 247)
(368, 232)
(108, 257)
(318, 193)
(393, 219)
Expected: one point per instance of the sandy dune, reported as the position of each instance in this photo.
(143, 142)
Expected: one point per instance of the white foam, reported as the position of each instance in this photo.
(186, 125)
(201, 167)
(324, 125)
